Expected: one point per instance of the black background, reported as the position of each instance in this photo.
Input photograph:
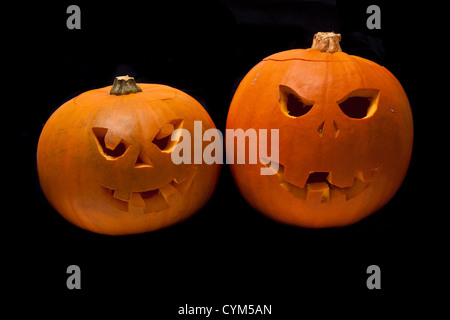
(227, 253)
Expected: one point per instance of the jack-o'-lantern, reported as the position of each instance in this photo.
(104, 158)
(345, 135)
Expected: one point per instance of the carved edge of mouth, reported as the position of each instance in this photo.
(318, 183)
(154, 200)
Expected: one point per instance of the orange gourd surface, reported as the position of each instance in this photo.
(345, 135)
(104, 159)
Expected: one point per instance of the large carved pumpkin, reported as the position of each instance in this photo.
(345, 135)
(104, 159)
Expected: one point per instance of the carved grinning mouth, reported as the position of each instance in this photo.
(318, 184)
(151, 200)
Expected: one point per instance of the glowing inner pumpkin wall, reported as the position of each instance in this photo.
(335, 170)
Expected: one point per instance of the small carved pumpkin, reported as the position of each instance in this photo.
(104, 159)
(345, 135)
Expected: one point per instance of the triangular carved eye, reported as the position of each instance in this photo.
(292, 104)
(360, 103)
(163, 139)
(109, 144)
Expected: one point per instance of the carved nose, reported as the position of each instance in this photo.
(329, 126)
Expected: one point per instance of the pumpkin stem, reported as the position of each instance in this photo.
(327, 42)
(124, 85)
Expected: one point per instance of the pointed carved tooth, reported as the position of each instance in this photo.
(170, 194)
(122, 195)
(136, 204)
(318, 192)
(112, 140)
(341, 179)
(296, 177)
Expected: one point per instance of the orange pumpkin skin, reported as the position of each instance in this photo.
(334, 169)
(104, 161)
